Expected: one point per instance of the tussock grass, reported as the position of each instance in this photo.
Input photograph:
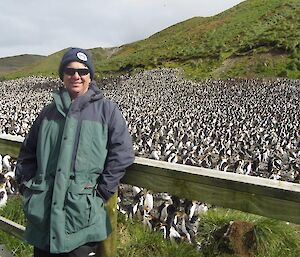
(137, 240)
(277, 239)
(274, 238)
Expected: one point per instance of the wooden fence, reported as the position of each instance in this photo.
(265, 197)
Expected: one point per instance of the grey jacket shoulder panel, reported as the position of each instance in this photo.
(120, 154)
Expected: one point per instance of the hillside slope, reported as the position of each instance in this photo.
(14, 63)
(257, 38)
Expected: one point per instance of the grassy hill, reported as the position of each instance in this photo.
(257, 38)
(14, 63)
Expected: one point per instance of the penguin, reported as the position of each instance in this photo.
(6, 163)
(3, 195)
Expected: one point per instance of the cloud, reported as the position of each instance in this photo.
(44, 27)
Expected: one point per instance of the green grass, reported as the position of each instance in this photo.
(274, 238)
(13, 211)
(136, 240)
(277, 239)
(18, 62)
(133, 239)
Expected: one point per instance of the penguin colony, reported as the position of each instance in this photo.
(245, 126)
(8, 184)
(238, 125)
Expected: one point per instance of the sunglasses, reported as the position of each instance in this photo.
(72, 71)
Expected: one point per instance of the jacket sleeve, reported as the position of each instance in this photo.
(120, 155)
(26, 163)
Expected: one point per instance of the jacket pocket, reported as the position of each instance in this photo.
(80, 210)
(36, 204)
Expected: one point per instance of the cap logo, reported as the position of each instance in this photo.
(81, 56)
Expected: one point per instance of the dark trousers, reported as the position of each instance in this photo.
(86, 250)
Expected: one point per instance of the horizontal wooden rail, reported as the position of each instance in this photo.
(265, 197)
(12, 228)
(10, 144)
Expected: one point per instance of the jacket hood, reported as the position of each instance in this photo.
(63, 101)
(97, 93)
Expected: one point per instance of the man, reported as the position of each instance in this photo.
(71, 162)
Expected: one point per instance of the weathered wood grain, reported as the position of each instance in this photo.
(265, 197)
(12, 228)
(10, 145)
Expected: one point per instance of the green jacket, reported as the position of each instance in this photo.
(71, 162)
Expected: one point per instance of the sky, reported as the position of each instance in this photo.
(44, 27)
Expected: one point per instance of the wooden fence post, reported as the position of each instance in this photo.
(108, 247)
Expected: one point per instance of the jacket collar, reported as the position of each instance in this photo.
(63, 101)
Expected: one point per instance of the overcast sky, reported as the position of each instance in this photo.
(44, 27)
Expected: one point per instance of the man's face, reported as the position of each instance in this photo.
(75, 83)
